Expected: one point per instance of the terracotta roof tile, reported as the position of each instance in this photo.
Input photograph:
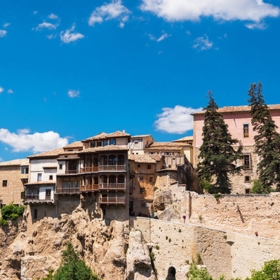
(15, 162)
(76, 144)
(104, 148)
(104, 135)
(142, 158)
(51, 153)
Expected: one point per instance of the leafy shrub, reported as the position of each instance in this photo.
(3, 222)
(11, 211)
(258, 188)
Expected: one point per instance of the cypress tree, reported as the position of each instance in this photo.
(217, 153)
(267, 140)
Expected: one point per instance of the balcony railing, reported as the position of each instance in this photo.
(67, 190)
(112, 200)
(24, 176)
(111, 167)
(34, 198)
(74, 171)
(89, 169)
(91, 187)
(97, 187)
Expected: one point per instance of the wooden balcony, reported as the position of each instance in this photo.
(67, 190)
(89, 188)
(89, 169)
(112, 168)
(76, 171)
(100, 187)
(34, 198)
(112, 200)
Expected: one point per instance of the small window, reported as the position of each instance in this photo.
(141, 178)
(112, 141)
(151, 179)
(99, 144)
(139, 165)
(247, 161)
(60, 166)
(105, 143)
(4, 183)
(51, 177)
(39, 177)
(35, 213)
(246, 130)
(247, 191)
(142, 190)
(149, 166)
(92, 144)
(247, 179)
(136, 144)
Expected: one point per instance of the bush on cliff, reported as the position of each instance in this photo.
(11, 211)
(72, 267)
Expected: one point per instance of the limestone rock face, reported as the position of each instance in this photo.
(139, 266)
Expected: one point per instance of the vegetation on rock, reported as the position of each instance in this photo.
(10, 212)
(218, 156)
(72, 267)
(267, 140)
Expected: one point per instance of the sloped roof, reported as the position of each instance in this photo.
(186, 138)
(51, 153)
(232, 109)
(76, 144)
(104, 135)
(144, 158)
(15, 162)
(104, 148)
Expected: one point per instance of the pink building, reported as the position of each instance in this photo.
(238, 119)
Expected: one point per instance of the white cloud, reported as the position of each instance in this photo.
(69, 36)
(10, 91)
(121, 25)
(180, 10)
(6, 24)
(23, 141)
(176, 120)
(53, 16)
(256, 25)
(202, 43)
(1, 89)
(113, 10)
(46, 25)
(73, 93)
(159, 39)
(3, 33)
(51, 36)
(162, 37)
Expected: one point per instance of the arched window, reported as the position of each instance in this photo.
(121, 179)
(103, 160)
(120, 159)
(112, 160)
(112, 179)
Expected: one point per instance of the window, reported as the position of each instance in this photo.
(60, 166)
(247, 191)
(105, 143)
(112, 141)
(24, 170)
(247, 161)
(139, 165)
(35, 213)
(149, 166)
(92, 144)
(141, 178)
(151, 179)
(99, 144)
(247, 179)
(39, 177)
(4, 183)
(245, 130)
(136, 144)
(51, 177)
(142, 190)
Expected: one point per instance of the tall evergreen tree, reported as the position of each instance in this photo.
(217, 153)
(267, 140)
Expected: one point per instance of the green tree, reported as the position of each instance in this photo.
(270, 271)
(217, 153)
(196, 273)
(72, 267)
(267, 140)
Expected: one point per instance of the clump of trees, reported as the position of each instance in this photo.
(267, 141)
(218, 156)
(72, 267)
(10, 212)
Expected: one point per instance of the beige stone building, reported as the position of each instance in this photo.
(238, 119)
(13, 175)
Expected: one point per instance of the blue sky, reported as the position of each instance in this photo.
(70, 69)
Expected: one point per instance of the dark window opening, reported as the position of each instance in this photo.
(246, 130)
(4, 183)
(247, 161)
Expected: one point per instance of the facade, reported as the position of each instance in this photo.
(238, 119)
(13, 175)
(139, 142)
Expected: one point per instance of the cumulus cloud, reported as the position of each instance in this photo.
(1, 89)
(114, 10)
(46, 25)
(10, 91)
(202, 43)
(179, 10)
(73, 93)
(3, 33)
(70, 36)
(121, 25)
(23, 140)
(176, 120)
(52, 16)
